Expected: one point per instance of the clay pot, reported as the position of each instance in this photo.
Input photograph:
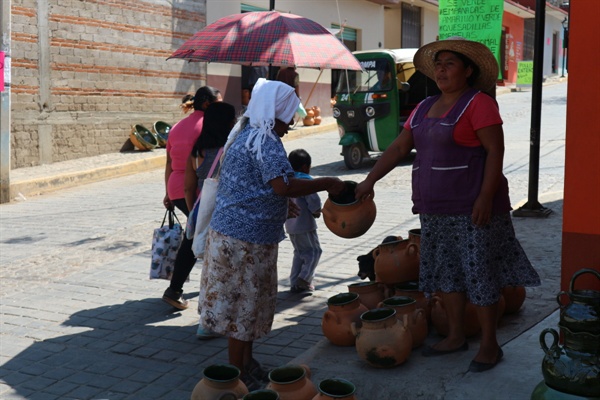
(308, 121)
(417, 320)
(262, 394)
(220, 382)
(514, 296)
(396, 262)
(318, 120)
(332, 389)
(316, 111)
(292, 382)
(347, 217)
(439, 319)
(370, 294)
(343, 310)
(382, 340)
(310, 112)
(414, 236)
(411, 289)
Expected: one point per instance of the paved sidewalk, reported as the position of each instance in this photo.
(81, 320)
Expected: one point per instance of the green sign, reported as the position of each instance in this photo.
(524, 73)
(477, 20)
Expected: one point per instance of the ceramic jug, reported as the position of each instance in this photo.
(220, 382)
(581, 313)
(292, 382)
(382, 340)
(343, 310)
(417, 321)
(370, 294)
(514, 296)
(411, 289)
(568, 370)
(347, 217)
(396, 262)
(335, 389)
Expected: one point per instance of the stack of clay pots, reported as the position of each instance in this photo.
(313, 116)
(573, 369)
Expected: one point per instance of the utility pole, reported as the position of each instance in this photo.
(5, 29)
(533, 208)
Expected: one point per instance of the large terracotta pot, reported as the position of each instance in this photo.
(417, 320)
(343, 310)
(220, 382)
(514, 296)
(382, 340)
(396, 262)
(347, 217)
(439, 319)
(411, 289)
(335, 389)
(568, 370)
(292, 382)
(370, 294)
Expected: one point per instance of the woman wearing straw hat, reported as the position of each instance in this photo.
(468, 246)
(238, 288)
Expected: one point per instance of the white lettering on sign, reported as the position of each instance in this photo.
(368, 64)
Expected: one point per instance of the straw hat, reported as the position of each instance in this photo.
(479, 53)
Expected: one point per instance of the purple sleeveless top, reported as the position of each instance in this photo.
(447, 177)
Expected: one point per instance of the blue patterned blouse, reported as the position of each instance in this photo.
(247, 208)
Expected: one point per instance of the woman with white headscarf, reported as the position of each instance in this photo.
(238, 289)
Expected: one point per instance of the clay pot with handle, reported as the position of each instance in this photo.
(220, 382)
(417, 320)
(382, 340)
(292, 382)
(396, 262)
(439, 318)
(514, 296)
(370, 294)
(411, 289)
(343, 310)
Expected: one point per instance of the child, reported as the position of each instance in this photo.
(302, 230)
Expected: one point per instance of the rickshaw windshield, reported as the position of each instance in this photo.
(376, 76)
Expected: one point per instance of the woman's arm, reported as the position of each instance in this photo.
(399, 149)
(191, 182)
(168, 170)
(302, 187)
(492, 140)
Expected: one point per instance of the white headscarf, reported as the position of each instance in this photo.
(270, 100)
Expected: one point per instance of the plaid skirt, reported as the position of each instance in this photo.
(238, 287)
(457, 256)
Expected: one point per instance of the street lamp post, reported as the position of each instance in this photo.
(565, 25)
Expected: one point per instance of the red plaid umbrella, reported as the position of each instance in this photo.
(268, 38)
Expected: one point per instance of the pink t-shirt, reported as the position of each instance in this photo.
(181, 139)
(481, 113)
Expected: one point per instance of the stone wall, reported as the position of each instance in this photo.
(84, 72)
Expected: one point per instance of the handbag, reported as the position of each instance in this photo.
(190, 227)
(205, 212)
(165, 243)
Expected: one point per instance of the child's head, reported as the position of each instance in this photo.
(300, 160)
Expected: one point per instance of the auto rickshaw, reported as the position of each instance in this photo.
(372, 105)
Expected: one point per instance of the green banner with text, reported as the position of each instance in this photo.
(477, 20)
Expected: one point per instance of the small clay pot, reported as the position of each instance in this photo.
(347, 217)
(308, 121)
(370, 294)
(396, 262)
(514, 297)
(335, 389)
(220, 382)
(343, 310)
(292, 382)
(417, 320)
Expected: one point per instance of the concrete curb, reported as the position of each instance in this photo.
(52, 177)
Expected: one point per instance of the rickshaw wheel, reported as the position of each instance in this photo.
(354, 155)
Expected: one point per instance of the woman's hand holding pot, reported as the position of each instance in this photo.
(364, 190)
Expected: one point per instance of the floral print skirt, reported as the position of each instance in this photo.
(238, 287)
(457, 256)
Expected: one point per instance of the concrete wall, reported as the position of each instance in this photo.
(83, 72)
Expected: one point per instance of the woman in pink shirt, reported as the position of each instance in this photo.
(181, 139)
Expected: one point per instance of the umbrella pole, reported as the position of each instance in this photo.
(310, 94)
